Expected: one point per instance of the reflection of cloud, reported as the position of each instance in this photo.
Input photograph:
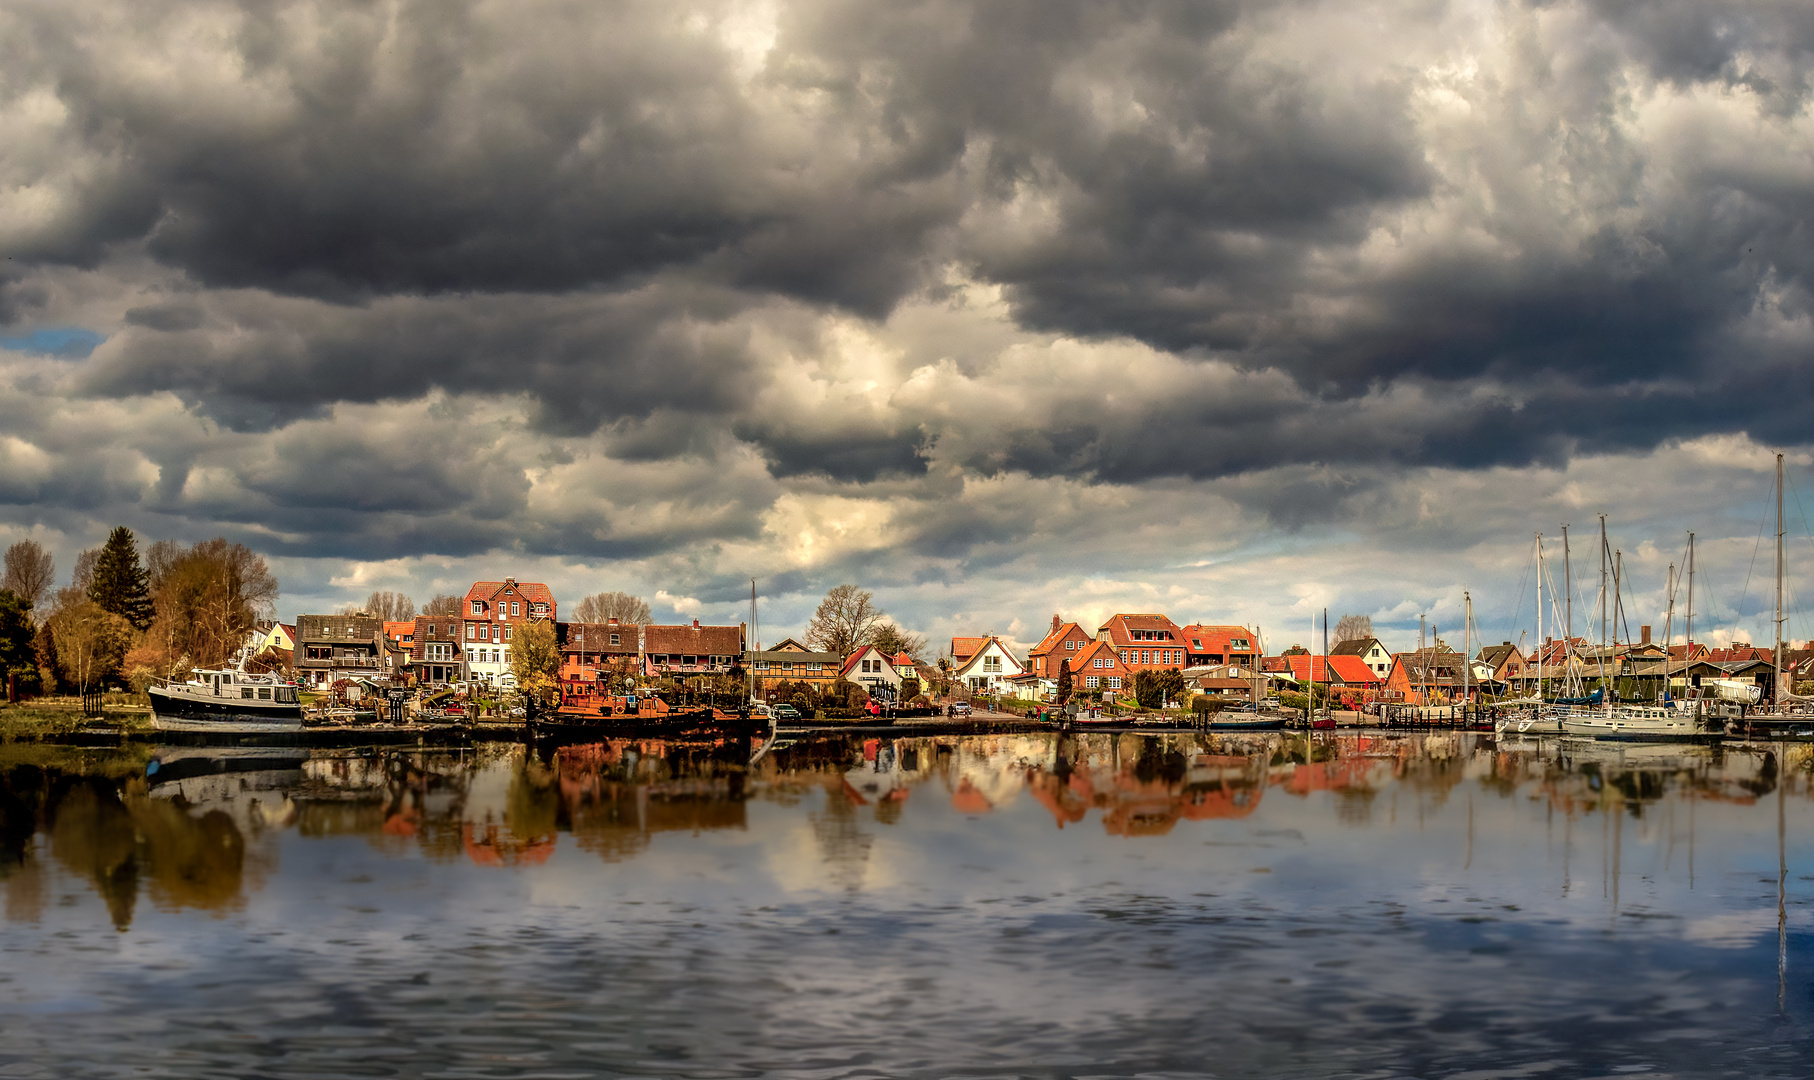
(1732, 929)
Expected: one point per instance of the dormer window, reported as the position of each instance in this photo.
(478, 607)
(614, 639)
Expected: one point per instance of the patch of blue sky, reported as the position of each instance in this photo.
(62, 342)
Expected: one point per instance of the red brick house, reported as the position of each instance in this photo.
(1144, 642)
(1206, 645)
(1064, 640)
(490, 614)
(1099, 667)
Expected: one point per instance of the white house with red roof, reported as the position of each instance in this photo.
(989, 669)
(490, 615)
(878, 672)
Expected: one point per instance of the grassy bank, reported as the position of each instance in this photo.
(36, 720)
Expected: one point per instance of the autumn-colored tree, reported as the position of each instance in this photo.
(30, 573)
(605, 606)
(208, 598)
(845, 619)
(535, 659)
(120, 583)
(91, 641)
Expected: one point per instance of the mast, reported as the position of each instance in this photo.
(1540, 621)
(1328, 676)
(1777, 654)
(1467, 651)
(1605, 557)
(1688, 628)
(1568, 589)
(1618, 611)
(1423, 663)
(754, 643)
(1668, 632)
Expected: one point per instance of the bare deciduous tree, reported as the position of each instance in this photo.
(601, 607)
(209, 597)
(390, 606)
(444, 604)
(1354, 628)
(846, 618)
(30, 572)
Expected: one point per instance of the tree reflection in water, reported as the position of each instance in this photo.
(196, 829)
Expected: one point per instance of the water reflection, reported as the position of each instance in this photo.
(197, 829)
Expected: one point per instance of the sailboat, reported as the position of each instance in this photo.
(1625, 722)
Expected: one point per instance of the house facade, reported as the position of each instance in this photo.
(334, 647)
(1062, 641)
(687, 651)
(1100, 667)
(1144, 641)
(435, 655)
(790, 661)
(1371, 651)
(878, 672)
(989, 669)
(1209, 645)
(490, 615)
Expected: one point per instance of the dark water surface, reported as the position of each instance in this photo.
(1417, 906)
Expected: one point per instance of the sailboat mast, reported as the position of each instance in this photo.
(1568, 589)
(754, 644)
(1467, 648)
(1540, 641)
(1777, 654)
(1668, 632)
(1688, 626)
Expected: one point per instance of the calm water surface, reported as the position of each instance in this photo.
(1415, 906)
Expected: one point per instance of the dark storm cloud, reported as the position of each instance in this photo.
(1421, 242)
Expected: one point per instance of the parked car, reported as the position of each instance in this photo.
(958, 709)
(785, 711)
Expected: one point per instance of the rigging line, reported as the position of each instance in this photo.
(1738, 613)
(1522, 581)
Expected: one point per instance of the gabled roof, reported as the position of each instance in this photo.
(692, 639)
(1355, 646)
(1496, 656)
(1351, 670)
(1058, 634)
(1739, 652)
(531, 591)
(1207, 637)
(1088, 653)
(399, 629)
(850, 662)
(1120, 627)
(977, 656)
(788, 645)
(963, 648)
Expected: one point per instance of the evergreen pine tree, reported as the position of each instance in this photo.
(121, 584)
(1064, 680)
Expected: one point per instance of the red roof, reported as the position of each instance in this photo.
(1200, 637)
(533, 592)
(396, 631)
(693, 640)
(1083, 664)
(1351, 670)
(1058, 634)
(1740, 654)
(1122, 626)
(963, 648)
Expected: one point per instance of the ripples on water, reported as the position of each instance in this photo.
(1016, 905)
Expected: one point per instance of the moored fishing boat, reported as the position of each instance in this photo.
(1636, 723)
(226, 700)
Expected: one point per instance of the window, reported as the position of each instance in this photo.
(1114, 682)
(1090, 682)
(468, 631)
(245, 691)
(992, 665)
(319, 652)
(507, 633)
(1101, 662)
(1237, 643)
(1070, 645)
(478, 608)
(264, 693)
(494, 633)
(516, 608)
(615, 640)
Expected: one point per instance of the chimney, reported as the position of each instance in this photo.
(1646, 629)
(1057, 622)
(510, 581)
(612, 621)
(1643, 635)
(1505, 643)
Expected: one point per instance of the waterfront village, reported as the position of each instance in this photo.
(1129, 660)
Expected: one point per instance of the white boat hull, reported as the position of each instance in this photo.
(1644, 725)
(177, 709)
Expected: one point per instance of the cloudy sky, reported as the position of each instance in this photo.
(1229, 310)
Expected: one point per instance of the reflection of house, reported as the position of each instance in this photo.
(989, 669)
(790, 661)
(332, 647)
